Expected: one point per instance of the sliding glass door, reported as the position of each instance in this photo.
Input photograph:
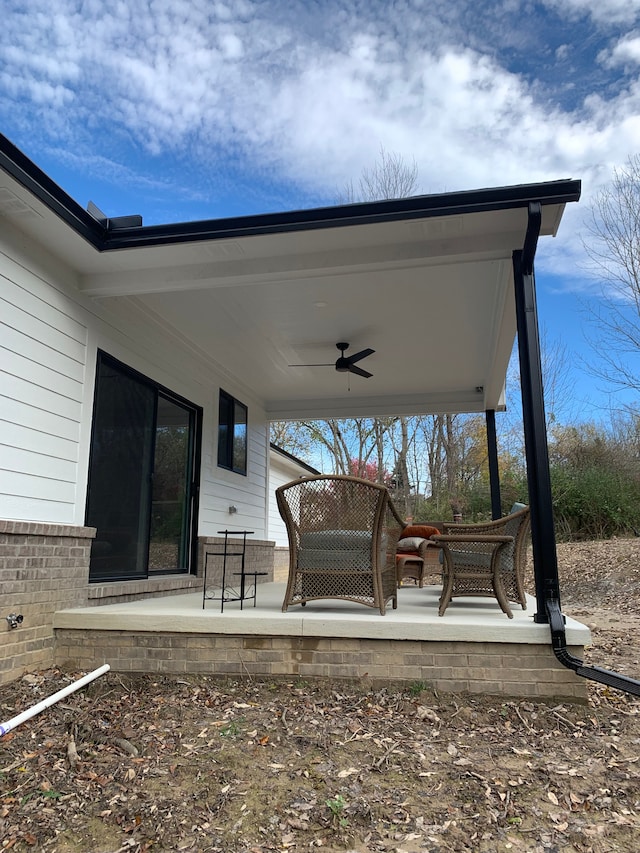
(168, 538)
(143, 476)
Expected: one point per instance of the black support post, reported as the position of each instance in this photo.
(494, 471)
(545, 560)
(535, 434)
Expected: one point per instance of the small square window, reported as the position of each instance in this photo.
(232, 434)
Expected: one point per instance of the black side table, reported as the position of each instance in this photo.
(246, 591)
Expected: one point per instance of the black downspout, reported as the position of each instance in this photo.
(494, 471)
(538, 475)
(533, 415)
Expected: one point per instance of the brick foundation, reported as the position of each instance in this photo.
(509, 669)
(280, 564)
(43, 568)
(258, 558)
(117, 592)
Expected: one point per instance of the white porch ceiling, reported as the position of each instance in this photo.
(432, 295)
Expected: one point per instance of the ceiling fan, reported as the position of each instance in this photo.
(345, 363)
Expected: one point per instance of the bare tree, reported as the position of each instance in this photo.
(389, 177)
(292, 437)
(349, 443)
(444, 438)
(614, 249)
(401, 441)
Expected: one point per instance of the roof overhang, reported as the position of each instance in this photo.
(426, 281)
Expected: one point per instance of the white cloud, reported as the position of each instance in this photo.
(281, 102)
(626, 52)
(286, 97)
(604, 12)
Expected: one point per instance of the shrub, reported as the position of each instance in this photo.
(594, 502)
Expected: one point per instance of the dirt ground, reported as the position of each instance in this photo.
(198, 764)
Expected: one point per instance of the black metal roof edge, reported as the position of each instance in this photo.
(17, 164)
(413, 207)
(293, 458)
(39, 184)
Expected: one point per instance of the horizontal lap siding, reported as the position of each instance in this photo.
(277, 530)
(49, 333)
(279, 474)
(221, 489)
(42, 363)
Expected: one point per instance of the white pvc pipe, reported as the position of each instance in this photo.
(51, 700)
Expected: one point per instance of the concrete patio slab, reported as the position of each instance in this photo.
(469, 619)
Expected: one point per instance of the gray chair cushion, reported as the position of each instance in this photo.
(335, 549)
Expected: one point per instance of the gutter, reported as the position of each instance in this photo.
(40, 185)
(363, 213)
(106, 234)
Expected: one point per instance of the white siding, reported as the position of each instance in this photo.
(42, 360)
(221, 489)
(49, 337)
(281, 471)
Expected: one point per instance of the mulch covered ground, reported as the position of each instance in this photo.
(167, 764)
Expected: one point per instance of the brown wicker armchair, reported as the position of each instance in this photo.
(486, 559)
(343, 533)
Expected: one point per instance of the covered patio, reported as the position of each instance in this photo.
(437, 287)
(474, 647)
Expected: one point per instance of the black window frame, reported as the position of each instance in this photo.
(229, 409)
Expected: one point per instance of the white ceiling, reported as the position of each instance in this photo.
(433, 297)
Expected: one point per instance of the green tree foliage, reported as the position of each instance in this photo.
(595, 484)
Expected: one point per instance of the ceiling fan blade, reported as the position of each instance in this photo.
(359, 371)
(328, 364)
(358, 356)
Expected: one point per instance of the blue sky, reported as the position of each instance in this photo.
(190, 109)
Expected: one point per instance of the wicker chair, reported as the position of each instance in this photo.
(343, 533)
(486, 559)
